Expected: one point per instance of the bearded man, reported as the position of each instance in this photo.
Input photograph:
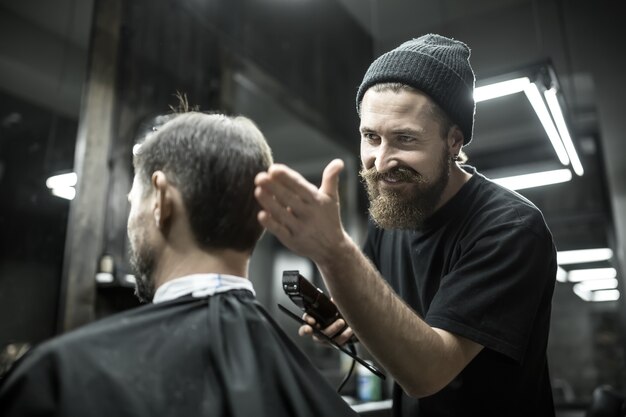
(452, 291)
(203, 346)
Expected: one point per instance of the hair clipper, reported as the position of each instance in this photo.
(310, 298)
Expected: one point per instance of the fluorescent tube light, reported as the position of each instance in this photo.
(63, 185)
(561, 274)
(537, 179)
(557, 115)
(67, 193)
(533, 95)
(583, 256)
(500, 89)
(596, 296)
(596, 285)
(605, 295)
(63, 180)
(578, 275)
(104, 277)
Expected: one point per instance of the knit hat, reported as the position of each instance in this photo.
(436, 65)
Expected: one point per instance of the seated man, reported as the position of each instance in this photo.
(204, 346)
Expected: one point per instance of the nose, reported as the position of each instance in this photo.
(385, 158)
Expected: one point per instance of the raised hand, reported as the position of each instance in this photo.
(306, 219)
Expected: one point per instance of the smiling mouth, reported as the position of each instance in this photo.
(390, 181)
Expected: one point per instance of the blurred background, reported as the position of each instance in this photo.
(81, 80)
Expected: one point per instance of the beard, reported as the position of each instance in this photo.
(142, 260)
(402, 209)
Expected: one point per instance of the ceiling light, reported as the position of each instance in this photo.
(606, 295)
(62, 180)
(578, 275)
(583, 256)
(533, 95)
(63, 185)
(561, 274)
(597, 285)
(67, 193)
(104, 278)
(552, 120)
(537, 179)
(557, 115)
(596, 296)
(500, 89)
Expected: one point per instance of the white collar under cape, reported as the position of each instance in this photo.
(201, 285)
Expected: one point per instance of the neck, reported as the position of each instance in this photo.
(173, 264)
(458, 178)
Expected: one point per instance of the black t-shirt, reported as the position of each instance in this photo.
(484, 268)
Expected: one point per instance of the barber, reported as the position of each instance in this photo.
(452, 290)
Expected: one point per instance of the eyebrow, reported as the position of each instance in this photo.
(398, 131)
(408, 130)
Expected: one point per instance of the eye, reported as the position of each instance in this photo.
(405, 139)
(370, 137)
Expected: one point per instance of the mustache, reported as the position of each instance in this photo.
(401, 173)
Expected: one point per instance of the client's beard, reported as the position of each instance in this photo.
(142, 261)
(402, 209)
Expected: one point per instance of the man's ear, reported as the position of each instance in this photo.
(163, 203)
(455, 140)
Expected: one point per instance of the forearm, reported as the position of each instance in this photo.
(416, 355)
(306, 220)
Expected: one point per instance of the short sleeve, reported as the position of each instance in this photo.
(497, 288)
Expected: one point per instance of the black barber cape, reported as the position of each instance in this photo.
(221, 355)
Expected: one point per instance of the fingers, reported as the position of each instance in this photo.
(292, 181)
(330, 178)
(283, 203)
(287, 186)
(305, 330)
(274, 191)
(332, 331)
(279, 229)
(344, 337)
(303, 218)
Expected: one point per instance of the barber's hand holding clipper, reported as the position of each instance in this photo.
(339, 330)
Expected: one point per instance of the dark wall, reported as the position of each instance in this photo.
(35, 143)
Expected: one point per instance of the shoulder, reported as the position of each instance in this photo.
(118, 330)
(492, 205)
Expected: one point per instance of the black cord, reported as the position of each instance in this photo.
(347, 377)
(351, 352)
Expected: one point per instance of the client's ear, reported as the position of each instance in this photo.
(163, 202)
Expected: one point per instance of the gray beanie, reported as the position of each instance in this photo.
(436, 65)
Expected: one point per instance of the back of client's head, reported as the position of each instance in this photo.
(212, 160)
